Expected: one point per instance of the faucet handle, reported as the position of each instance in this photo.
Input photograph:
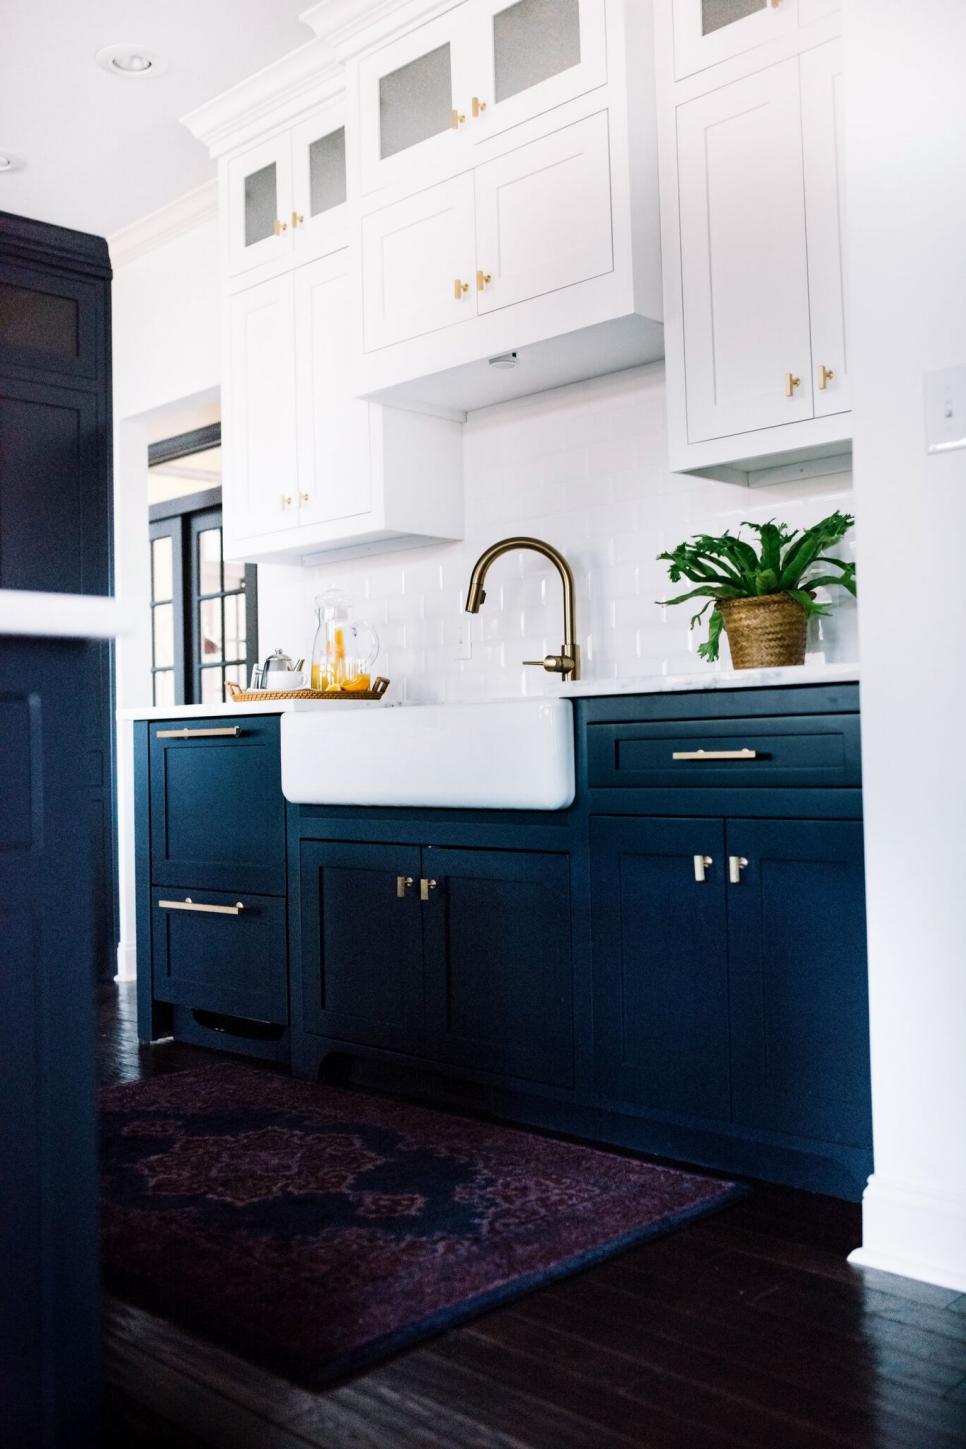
(563, 663)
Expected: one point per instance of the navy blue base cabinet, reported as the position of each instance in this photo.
(211, 879)
(675, 964)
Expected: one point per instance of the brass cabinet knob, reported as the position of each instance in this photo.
(478, 106)
(460, 289)
(279, 227)
(286, 501)
(791, 382)
(825, 375)
(303, 498)
(736, 864)
(482, 278)
(425, 886)
(297, 220)
(457, 119)
(403, 884)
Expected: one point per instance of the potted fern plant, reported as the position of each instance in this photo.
(762, 597)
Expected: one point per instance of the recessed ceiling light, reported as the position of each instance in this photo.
(504, 360)
(10, 162)
(130, 59)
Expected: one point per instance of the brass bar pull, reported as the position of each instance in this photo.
(456, 119)
(425, 886)
(403, 883)
(189, 905)
(460, 289)
(297, 220)
(791, 382)
(715, 755)
(478, 107)
(279, 227)
(482, 279)
(736, 864)
(286, 501)
(825, 375)
(701, 864)
(187, 734)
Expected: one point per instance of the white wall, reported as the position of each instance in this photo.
(583, 467)
(906, 142)
(166, 362)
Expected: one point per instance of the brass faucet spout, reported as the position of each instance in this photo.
(567, 662)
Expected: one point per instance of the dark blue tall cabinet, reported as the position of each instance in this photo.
(56, 871)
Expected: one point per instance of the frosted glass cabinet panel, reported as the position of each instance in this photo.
(533, 55)
(413, 101)
(259, 192)
(709, 31)
(319, 179)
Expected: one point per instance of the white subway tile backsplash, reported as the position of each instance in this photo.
(585, 468)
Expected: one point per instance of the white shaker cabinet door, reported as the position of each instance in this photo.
(543, 215)
(744, 269)
(709, 31)
(823, 123)
(334, 464)
(259, 487)
(259, 202)
(533, 55)
(419, 264)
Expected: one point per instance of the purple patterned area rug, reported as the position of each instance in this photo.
(316, 1230)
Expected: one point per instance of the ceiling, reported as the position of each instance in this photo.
(101, 150)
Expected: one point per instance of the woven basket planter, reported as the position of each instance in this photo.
(766, 632)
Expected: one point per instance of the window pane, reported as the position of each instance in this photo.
(235, 626)
(715, 14)
(209, 561)
(327, 172)
(261, 207)
(212, 689)
(415, 102)
(164, 686)
(161, 574)
(234, 576)
(532, 41)
(163, 636)
(210, 620)
(38, 320)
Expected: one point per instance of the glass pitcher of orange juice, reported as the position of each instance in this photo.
(344, 649)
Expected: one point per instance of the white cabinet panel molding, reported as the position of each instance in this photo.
(823, 125)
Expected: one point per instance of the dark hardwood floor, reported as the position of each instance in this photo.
(746, 1331)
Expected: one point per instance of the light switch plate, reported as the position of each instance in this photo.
(945, 392)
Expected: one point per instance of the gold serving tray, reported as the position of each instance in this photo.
(257, 696)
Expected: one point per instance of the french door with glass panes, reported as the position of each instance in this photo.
(203, 609)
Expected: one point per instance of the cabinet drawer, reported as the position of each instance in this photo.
(220, 951)
(217, 809)
(819, 750)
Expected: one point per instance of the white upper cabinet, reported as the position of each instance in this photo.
(533, 55)
(410, 94)
(709, 31)
(744, 267)
(285, 198)
(418, 263)
(259, 204)
(752, 205)
(543, 216)
(260, 487)
(823, 125)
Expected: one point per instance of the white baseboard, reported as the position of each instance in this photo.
(914, 1232)
(127, 961)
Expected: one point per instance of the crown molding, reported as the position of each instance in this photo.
(41, 241)
(189, 211)
(278, 94)
(351, 26)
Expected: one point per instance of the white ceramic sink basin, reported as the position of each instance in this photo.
(509, 754)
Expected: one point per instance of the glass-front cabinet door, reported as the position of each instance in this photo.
(318, 217)
(709, 31)
(414, 98)
(259, 205)
(533, 55)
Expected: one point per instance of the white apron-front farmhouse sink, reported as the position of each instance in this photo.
(504, 755)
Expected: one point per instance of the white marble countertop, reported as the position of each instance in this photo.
(268, 706)
(644, 684)
(61, 616)
(711, 678)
